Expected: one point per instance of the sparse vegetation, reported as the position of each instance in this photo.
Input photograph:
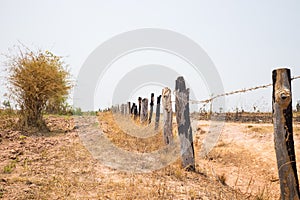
(1, 192)
(58, 165)
(262, 194)
(7, 169)
(77, 111)
(222, 178)
(38, 81)
(124, 140)
(261, 129)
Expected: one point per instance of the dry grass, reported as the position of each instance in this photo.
(58, 166)
(71, 174)
(297, 129)
(8, 120)
(260, 128)
(123, 139)
(243, 169)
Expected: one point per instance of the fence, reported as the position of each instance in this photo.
(282, 117)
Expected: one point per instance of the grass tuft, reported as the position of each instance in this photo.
(7, 169)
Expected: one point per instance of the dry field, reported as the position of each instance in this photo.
(57, 165)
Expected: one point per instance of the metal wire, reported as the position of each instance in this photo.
(234, 92)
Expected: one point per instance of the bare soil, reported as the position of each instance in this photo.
(57, 165)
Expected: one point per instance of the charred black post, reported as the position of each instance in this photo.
(157, 114)
(151, 107)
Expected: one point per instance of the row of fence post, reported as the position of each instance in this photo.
(140, 110)
(282, 122)
(182, 118)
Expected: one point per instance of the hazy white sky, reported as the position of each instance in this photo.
(246, 40)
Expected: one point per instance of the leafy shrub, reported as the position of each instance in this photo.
(37, 80)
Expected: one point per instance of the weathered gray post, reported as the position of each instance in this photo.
(144, 111)
(122, 109)
(184, 124)
(128, 108)
(117, 109)
(168, 115)
(157, 114)
(283, 134)
(151, 107)
(125, 109)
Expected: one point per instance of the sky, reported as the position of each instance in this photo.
(245, 40)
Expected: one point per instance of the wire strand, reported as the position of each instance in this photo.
(234, 92)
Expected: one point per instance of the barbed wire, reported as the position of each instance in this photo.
(206, 101)
(235, 92)
(295, 77)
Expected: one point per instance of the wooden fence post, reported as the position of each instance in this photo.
(151, 107)
(140, 104)
(135, 112)
(168, 115)
(132, 108)
(144, 111)
(122, 109)
(113, 109)
(184, 124)
(157, 114)
(283, 134)
(129, 108)
(125, 109)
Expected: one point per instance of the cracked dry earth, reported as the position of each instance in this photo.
(57, 165)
